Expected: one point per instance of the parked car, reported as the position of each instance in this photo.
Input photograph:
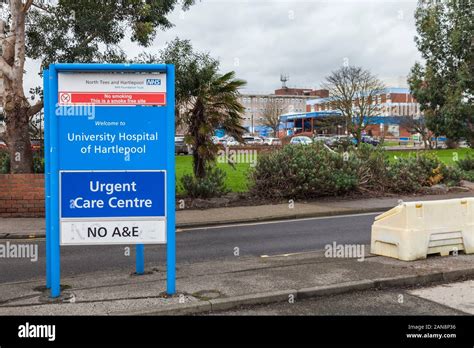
(248, 139)
(301, 140)
(232, 142)
(342, 140)
(272, 141)
(252, 140)
(180, 146)
(321, 138)
(36, 144)
(370, 140)
(330, 141)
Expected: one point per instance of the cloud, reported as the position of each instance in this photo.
(260, 39)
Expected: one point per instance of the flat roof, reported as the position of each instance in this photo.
(309, 114)
(389, 90)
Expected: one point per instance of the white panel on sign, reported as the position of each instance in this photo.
(99, 232)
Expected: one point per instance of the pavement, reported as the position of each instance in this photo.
(25, 228)
(444, 299)
(227, 284)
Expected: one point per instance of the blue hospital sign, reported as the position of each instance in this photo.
(115, 156)
(110, 177)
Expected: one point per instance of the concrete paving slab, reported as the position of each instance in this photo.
(371, 302)
(459, 295)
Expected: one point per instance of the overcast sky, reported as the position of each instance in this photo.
(306, 39)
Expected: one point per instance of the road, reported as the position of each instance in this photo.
(203, 244)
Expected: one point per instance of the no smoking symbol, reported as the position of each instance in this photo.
(65, 98)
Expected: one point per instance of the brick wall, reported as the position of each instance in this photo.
(22, 195)
(375, 131)
(402, 98)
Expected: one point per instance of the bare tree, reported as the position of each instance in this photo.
(271, 114)
(353, 92)
(417, 125)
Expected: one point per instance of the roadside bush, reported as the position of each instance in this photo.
(466, 164)
(307, 171)
(4, 162)
(468, 175)
(213, 185)
(410, 175)
(38, 163)
(373, 168)
(452, 176)
(304, 171)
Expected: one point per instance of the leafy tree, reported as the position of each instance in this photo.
(353, 91)
(444, 84)
(65, 31)
(205, 100)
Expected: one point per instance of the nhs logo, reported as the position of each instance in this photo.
(153, 82)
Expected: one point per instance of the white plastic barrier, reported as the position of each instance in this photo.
(413, 230)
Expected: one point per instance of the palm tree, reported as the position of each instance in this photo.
(205, 99)
(215, 105)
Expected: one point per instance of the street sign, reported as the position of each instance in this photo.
(110, 166)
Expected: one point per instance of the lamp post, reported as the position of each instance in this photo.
(251, 124)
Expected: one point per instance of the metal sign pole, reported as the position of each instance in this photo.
(47, 173)
(171, 204)
(140, 259)
(54, 248)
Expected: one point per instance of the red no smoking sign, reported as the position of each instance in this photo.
(112, 89)
(65, 98)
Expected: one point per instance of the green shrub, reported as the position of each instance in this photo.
(468, 175)
(411, 174)
(38, 164)
(466, 164)
(312, 171)
(304, 171)
(4, 162)
(213, 185)
(373, 168)
(452, 176)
